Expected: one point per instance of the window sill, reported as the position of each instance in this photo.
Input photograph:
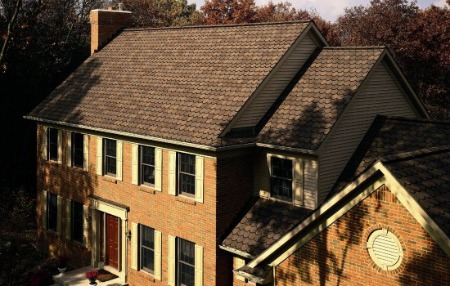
(148, 275)
(147, 189)
(186, 200)
(109, 179)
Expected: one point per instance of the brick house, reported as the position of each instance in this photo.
(387, 220)
(155, 154)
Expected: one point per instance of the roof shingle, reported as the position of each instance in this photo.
(265, 223)
(310, 110)
(182, 84)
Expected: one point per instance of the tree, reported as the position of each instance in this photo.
(160, 13)
(229, 11)
(279, 12)
(419, 40)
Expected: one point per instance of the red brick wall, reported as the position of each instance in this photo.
(203, 224)
(338, 255)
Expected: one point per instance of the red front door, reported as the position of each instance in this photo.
(112, 241)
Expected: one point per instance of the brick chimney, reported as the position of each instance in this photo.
(105, 24)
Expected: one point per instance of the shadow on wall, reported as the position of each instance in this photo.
(429, 269)
(70, 183)
(323, 261)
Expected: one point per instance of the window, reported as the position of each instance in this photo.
(52, 144)
(147, 165)
(109, 157)
(147, 249)
(77, 221)
(186, 174)
(52, 211)
(77, 150)
(281, 178)
(185, 263)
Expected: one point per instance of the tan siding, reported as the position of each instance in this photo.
(380, 94)
(277, 83)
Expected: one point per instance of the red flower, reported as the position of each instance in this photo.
(92, 275)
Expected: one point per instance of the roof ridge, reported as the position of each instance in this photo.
(216, 26)
(404, 156)
(355, 47)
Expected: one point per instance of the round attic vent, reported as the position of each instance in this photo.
(385, 249)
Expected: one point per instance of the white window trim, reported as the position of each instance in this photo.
(199, 179)
(173, 261)
(136, 164)
(101, 158)
(297, 184)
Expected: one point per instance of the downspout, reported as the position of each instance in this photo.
(274, 277)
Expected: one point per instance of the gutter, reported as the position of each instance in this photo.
(173, 142)
(237, 252)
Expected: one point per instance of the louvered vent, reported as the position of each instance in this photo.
(385, 249)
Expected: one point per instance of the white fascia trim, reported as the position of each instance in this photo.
(120, 133)
(314, 216)
(266, 80)
(328, 221)
(415, 209)
(237, 252)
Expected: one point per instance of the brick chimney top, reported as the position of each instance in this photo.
(105, 25)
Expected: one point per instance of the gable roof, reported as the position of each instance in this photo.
(410, 153)
(425, 174)
(307, 114)
(181, 84)
(390, 136)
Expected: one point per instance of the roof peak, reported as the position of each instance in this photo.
(217, 26)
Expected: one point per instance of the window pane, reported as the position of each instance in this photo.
(187, 163)
(147, 165)
(52, 211)
(281, 178)
(111, 165)
(186, 174)
(110, 147)
(187, 184)
(148, 174)
(109, 156)
(77, 150)
(77, 221)
(53, 144)
(147, 248)
(186, 262)
(148, 155)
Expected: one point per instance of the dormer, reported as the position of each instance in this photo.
(278, 83)
(287, 177)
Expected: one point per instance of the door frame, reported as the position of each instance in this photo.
(98, 207)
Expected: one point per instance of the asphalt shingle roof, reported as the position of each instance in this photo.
(307, 114)
(265, 223)
(390, 136)
(182, 84)
(426, 177)
(417, 152)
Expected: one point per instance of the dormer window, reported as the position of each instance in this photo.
(281, 174)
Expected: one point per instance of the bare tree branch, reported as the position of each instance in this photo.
(9, 31)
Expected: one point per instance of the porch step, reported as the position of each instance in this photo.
(77, 278)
